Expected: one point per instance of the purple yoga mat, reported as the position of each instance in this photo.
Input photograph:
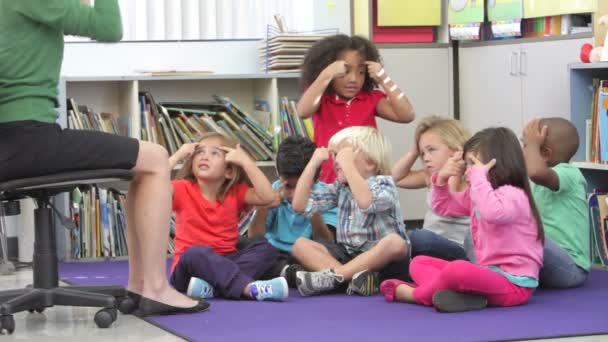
(550, 313)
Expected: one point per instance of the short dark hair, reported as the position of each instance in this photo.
(327, 50)
(293, 155)
(562, 137)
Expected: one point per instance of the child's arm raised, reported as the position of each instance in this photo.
(262, 192)
(258, 224)
(443, 201)
(310, 100)
(184, 152)
(358, 185)
(404, 176)
(397, 107)
(498, 206)
(302, 191)
(538, 170)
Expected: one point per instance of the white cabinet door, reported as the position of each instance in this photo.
(544, 74)
(424, 76)
(490, 87)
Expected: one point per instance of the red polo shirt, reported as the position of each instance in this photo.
(335, 114)
(200, 222)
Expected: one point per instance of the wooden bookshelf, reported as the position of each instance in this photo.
(121, 95)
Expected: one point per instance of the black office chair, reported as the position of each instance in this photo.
(46, 291)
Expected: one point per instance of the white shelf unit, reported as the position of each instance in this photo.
(581, 77)
(119, 95)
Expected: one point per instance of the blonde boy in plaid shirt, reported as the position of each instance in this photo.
(370, 234)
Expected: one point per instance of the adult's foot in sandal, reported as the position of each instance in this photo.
(150, 307)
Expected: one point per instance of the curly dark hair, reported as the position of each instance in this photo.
(501, 143)
(293, 155)
(327, 50)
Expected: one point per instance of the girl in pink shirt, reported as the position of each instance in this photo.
(341, 74)
(505, 226)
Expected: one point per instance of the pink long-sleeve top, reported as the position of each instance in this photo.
(503, 228)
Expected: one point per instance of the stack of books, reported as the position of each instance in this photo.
(284, 52)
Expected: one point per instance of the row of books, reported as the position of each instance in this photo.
(100, 219)
(172, 124)
(598, 208)
(596, 147)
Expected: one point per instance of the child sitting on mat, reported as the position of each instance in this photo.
(370, 233)
(505, 225)
(207, 201)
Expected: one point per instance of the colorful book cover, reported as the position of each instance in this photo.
(505, 9)
(465, 11)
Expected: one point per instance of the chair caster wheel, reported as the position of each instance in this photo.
(7, 322)
(126, 305)
(104, 318)
(38, 310)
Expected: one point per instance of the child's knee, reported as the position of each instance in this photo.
(395, 246)
(299, 246)
(457, 269)
(195, 253)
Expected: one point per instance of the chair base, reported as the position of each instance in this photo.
(46, 291)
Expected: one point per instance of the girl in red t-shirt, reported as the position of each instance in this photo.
(341, 74)
(208, 197)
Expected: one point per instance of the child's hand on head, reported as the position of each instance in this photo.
(534, 134)
(237, 155)
(336, 69)
(375, 70)
(186, 150)
(478, 163)
(454, 166)
(321, 154)
(346, 155)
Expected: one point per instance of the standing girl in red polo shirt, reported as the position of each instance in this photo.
(341, 74)
(207, 198)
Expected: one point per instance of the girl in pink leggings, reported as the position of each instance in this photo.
(505, 226)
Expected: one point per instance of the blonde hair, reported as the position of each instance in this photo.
(451, 131)
(238, 174)
(368, 140)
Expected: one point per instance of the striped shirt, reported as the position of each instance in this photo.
(359, 229)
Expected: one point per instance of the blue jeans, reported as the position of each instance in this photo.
(559, 270)
(426, 242)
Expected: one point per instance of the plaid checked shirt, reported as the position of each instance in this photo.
(359, 229)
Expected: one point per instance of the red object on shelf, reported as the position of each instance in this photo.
(400, 34)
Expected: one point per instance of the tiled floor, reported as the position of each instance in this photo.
(66, 324)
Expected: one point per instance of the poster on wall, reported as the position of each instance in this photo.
(546, 8)
(505, 9)
(409, 12)
(465, 11)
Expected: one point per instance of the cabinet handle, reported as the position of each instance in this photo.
(514, 65)
(523, 63)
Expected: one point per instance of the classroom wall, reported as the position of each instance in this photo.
(219, 56)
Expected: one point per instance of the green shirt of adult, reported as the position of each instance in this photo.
(31, 50)
(565, 213)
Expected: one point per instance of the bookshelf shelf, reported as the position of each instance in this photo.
(591, 166)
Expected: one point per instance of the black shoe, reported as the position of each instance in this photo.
(150, 307)
(452, 301)
(135, 296)
(289, 273)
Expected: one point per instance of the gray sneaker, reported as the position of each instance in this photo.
(314, 283)
(364, 283)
